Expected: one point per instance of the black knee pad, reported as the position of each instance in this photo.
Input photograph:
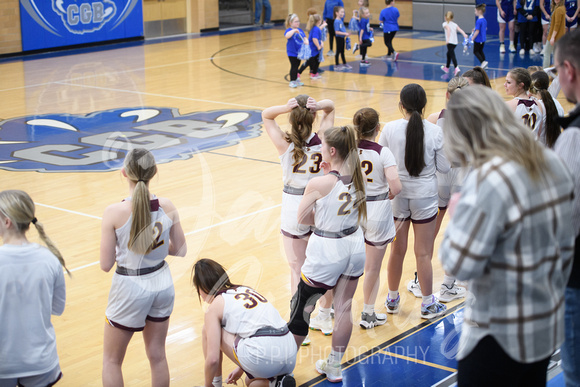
(304, 297)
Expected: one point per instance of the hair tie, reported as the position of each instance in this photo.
(141, 180)
(34, 220)
(343, 129)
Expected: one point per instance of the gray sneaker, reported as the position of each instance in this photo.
(330, 53)
(393, 305)
(368, 321)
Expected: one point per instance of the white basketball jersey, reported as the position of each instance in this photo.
(161, 224)
(374, 158)
(246, 311)
(297, 176)
(531, 113)
(335, 212)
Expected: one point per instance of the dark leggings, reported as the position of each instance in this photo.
(339, 49)
(294, 64)
(526, 35)
(363, 47)
(488, 363)
(451, 55)
(478, 51)
(331, 34)
(313, 63)
(388, 38)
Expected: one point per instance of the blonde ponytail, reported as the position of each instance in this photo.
(19, 208)
(140, 167)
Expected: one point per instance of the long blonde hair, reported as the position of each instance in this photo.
(313, 21)
(140, 167)
(479, 126)
(343, 139)
(19, 208)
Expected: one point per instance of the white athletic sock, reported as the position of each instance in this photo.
(427, 300)
(369, 309)
(217, 381)
(393, 294)
(324, 312)
(448, 281)
(335, 357)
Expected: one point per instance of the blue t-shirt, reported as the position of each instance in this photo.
(389, 17)
(314, 34)
(529, 8)
(365, 27)
(481, 25)
(571, 6)
(547, 6)
(339, 26)
(293, 44)
(329, 8)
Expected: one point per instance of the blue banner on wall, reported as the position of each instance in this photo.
(57, 23)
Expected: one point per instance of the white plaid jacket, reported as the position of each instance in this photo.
(513, 238)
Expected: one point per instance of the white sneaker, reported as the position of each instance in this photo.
(333, 373)
(330, 53)
(512, 47)
(414, 287)
(322, 324)
(484, 64)
(532, 52)
(306, 341)
(368, 321)
(502, 48)
(449, 294)
(522, 51)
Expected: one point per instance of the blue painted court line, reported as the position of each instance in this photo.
(423, 356)
(425, 64)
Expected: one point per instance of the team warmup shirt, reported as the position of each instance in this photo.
(32, 288)
(394, 136)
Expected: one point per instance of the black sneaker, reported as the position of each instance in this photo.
(285, 381)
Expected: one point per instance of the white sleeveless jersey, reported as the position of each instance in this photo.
(161, 224)
(246, 311)
(532, 114)
(374, 158)
(335, 212)
(297, 176)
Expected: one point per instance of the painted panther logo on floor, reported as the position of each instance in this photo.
(99, 141)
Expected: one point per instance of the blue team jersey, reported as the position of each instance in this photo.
(365, 27)
(547, 8)
(329, 8)
(389, 17)
(529, 7)
(314, 34)
(339, 26)
(481, 25)
(293, 44)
